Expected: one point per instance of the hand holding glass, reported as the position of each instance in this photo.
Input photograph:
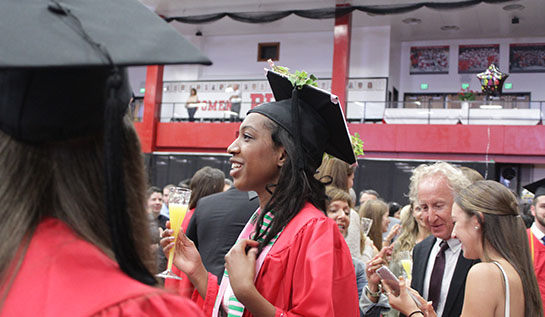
(178, 202)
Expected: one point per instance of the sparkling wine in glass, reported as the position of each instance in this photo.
(406, 261)
(178, 203)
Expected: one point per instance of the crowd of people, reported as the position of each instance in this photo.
(83, 237)
(444, 218)
(477, 59)
(429, 60)
(527, 59)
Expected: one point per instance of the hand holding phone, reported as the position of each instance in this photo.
(389, 278)
(393, 283)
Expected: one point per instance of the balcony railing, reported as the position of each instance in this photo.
(452, 112)
(396, 112)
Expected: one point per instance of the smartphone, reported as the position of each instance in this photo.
(393, 282)
(389, 278)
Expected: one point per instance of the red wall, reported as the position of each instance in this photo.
(508, 144)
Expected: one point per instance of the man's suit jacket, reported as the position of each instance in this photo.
(216, 224)
(455, 297)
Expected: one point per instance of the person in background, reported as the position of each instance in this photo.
(413, 231)
(303, 264)
(526, 212)
(206, 181)
(488, 223)
(393, 216)
(471, 174)
(339, 205)
(216, 224)
(74, 229)
(536, 233)
(157, 224)
(192, 104)
(377, 210)
(433, 188)
(235, 99)
(368, 194)
(154, 203)
(164, 207)
(414, 228)
(340, 175)
(394, 210)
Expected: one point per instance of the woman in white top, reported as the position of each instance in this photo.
(488, 224)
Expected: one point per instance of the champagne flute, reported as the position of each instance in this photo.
(178, 203)
(406, 261)
(366, 225)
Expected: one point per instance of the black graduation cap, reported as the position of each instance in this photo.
(538, 187)
(312, 116)
(62, 76)
(62, 53)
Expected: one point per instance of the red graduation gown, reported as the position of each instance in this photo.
(539, 262)
(63, 275)
(308, 271)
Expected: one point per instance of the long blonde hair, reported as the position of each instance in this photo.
(407, 238)
(496, 209)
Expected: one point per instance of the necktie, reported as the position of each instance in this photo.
(437, 275)
(543, 239)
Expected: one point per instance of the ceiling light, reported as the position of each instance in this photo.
(449, 28)
(412, 21)
(513, 7)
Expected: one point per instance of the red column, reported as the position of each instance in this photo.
(152, 108)
(341, 57)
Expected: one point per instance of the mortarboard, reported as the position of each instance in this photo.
(62, 76)
(312, 116)
(538, 187)
(86, 39)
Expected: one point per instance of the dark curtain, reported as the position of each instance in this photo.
(328, 13)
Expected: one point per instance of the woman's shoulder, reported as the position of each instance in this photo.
(483, 271)
(484, 278)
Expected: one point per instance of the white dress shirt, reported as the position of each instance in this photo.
(451, 258)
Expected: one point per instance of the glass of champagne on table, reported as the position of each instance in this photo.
(178, 202)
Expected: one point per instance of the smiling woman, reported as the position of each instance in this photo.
(338, 208)
(276, 155)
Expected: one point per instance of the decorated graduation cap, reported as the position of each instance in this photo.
(538, 187)
(312, 116)
(62, 77)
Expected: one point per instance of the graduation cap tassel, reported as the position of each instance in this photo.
(116, 205)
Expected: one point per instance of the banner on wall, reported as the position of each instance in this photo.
(429, 60)
(527, 58)
(476, 58)
(215, 98)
